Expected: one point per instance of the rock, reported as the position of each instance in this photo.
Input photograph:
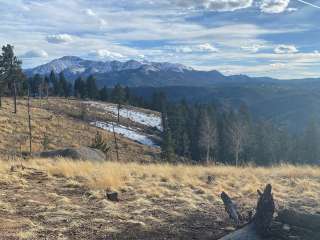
(112, 196)
(81, 153)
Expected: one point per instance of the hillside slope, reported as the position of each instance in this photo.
(65, 123)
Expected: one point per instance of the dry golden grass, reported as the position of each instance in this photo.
(288, 181)
(61, 197)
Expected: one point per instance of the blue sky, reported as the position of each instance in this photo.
(276, 38)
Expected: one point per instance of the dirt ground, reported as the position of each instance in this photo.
(36, 206)
(39, 204)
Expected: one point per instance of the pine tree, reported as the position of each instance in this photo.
(68, 91)
(127, 95)
(62, 85)
(118, 94)
(35, 84)
(76, 87)
(82, 89)
(103, 94)
(311, 143)
(46, 85)
(264, 143)
(55, 83)
(167, 148)
(92, 88)
(11, 73)
(100, 143)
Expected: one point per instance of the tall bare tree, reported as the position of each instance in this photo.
(238, 136)
(208, 136)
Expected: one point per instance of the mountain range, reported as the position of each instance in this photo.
(289, 103)
(137, 73)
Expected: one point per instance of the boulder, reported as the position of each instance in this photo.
(81, 153)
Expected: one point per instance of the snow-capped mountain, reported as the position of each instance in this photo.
(137, 73)
(75, 65)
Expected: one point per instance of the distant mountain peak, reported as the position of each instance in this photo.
(77, 65)
(69, 58)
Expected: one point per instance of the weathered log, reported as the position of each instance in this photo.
(262, 220)
(248, 232)
(231, 208)
(303, 220)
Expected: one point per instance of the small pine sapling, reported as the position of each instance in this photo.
(100, 144)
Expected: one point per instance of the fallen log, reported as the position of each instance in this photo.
(303, 220)
(248, 232)
(259, 227)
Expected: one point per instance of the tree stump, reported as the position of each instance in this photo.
(260, 225)
(112, 196)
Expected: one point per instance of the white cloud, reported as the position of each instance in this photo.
(59, 38)
(200, 48)
(285, 49)
(35, 54)
(274, 6)
(227, 5)
(214, 5)
(90, 12)
(252, 48)
(184, 49)
(103, 22)
(292, 9)
(207, 47)
(106, 54)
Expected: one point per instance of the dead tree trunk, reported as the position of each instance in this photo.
(15, 96)
(118, 115)
(29, 124)
(260, 225)
(115, 142)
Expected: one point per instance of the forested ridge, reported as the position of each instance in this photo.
(198, 132)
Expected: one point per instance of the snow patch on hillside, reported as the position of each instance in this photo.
(150, 120)
(126, 132)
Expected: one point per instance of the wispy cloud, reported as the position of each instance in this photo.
(59, 38)
(281, 49)
(35, 54)
(205, 34)
(274, 6)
